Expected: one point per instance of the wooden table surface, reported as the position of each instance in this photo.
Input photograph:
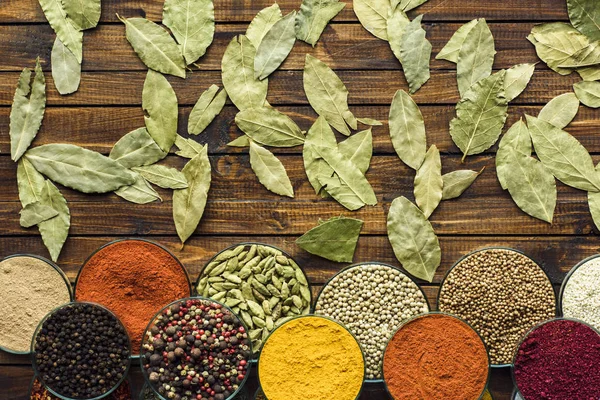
(107, 106)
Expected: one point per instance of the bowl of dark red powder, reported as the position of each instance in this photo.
(559, 359)
(196, 348)
(133, 278)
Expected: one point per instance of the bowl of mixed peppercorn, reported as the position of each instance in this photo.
(196, 349)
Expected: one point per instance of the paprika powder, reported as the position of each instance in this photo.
(134, 279)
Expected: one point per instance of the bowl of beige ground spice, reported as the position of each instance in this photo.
(502, 294)
(580, 292)
(31, 287)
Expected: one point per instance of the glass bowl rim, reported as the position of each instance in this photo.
(357, 265)
(36, 377)
(362, 353)
(529, 332)
(433, 313)
(62, 274)
(184, 299)
(471, 253)
(126, 239)
(565, 282)
(34, 364)
(256, 354)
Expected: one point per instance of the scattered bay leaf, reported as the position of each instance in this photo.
(586, 57)
(269, 127)
(135, 149)
(450, 51)
(237, 68)
(408, 5)
(358, 148)
(415, 52)
(270, 171)
(188, 148)
(328, 95)
(155, 47)
(208, 106)
(516, 139)
(27, 111)
(54, 231)
(561, 110)
(563, 155)
(429, 183)
(516, 80)
(242, 141)
(192, 22)
(415, 243)
(341, 192)
(160, 109)
(594, 204)
(84, 14)
(588, 93)
(314, 16)
(189, 203)
(369, 121)
(163, 176)
(30, 183)
(78, 168)
(139, 193)
(456, 182)
(407, 130)
(66, 70)
(35, 213)
(589, 73)
(334, 239)
(373, 15)
(319, 134)
(480, 115)
(262, 23)
(275, 46)
(475, 57)
(65, 30)
(396, 25)
(557, 42)
(585, 16)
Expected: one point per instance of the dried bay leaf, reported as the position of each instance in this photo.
(262, 23)
(155, 47)
(319, 134)
(208, 106)
(408, 5)
(415, 52)
(407, 130)
(516, 80)
(369, 121)
(54, 231)
(188, 148)
(429, 183)
(561, 110)
(594, 204)
(237, 68)
(341, 192)
(589, 73)
(84, 14)
(189, 203)
(456, 182)
(66, 70)
(396, 24)
(270, 171)
(27, 111)
(563, 155)
(415, 243)
(373, 15)
(62, 25)
(78, 168)
(30, 183)
(35, 213)
(135, 149)
(139, 193)
(516, 139)
(586, 57)
(358, 148)
(557, 42)
(475, 57)
(588, 93)
(328, 95)
(242, 141)
(192, 22)
(450, 51)
(165, 177)
(160, 109)
(269, 127)
(313, 18)
(275, 46)
(480, 115)
(334, 239)
(585, 16)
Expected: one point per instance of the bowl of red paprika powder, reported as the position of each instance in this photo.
(549, 354)
(134, 278)
(433, 347)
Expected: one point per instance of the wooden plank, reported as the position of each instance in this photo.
(285, 88)
(98, 128)
(26, 11)
(342, 47)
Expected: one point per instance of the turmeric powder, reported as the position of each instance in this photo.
(311, 358)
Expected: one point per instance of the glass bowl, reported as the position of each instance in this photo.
(358, 265)
(566, 281)
(516, 395)
(259, 392)
(126, 381)
(62, 275)
(33, 358)
(512, 368)
(152, 322)
(460, 260)
(322, 317)
(405, 323)
(185, 272)
(283, 252)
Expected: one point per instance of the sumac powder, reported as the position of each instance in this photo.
(134, 279)
(559, 360)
